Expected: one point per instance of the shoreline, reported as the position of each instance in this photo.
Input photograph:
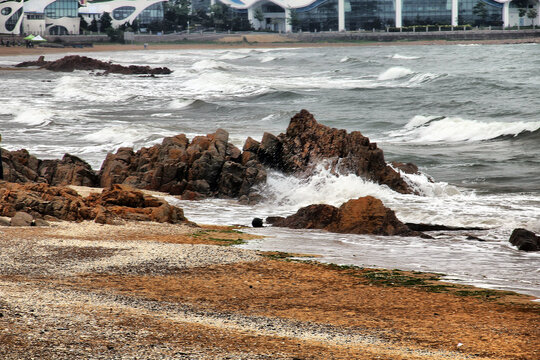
(149, 290)
(233, 43)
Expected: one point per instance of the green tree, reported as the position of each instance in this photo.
(83, 25)
(93, 26)
(293, 19)
(480, 10)
(259, 16)
(176, 14)
(106, 21)
(532, 14)
(135, 25)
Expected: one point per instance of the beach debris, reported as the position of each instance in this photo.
(365, 215)
(76, 62)
(32, 202)
(525, 240)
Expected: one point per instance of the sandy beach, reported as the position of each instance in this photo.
(154, 291)
(237, 42)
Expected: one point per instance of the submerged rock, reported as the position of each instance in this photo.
(365, 215)
(525, 240)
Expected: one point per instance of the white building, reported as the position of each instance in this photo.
(11, 12)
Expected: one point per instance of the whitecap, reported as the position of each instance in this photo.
(394, 73)
(404, 57)
(34, 116)
(209, 64)
(178, 104)
(269, 59)
(232, 56)
(455, 129)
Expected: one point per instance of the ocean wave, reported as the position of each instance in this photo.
(394, 73)
(404, 57)
(34, 117)
(270, 58)
(448, 129)
(178, 104)
(209, 64)
(233, 56)
(83, 88)
(212, 84)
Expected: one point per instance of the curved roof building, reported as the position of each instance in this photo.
(123, 11)
(11, 15)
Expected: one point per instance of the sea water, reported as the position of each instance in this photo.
(467, 115)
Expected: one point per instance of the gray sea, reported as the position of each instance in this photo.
(467, 115)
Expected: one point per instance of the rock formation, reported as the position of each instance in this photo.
(42, 201)
(525, 240)
(76, 62)
(21, 167)
(365, 215)
(207, 166)
(307, 142)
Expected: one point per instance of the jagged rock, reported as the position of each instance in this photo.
(306, 142)
(22, 219)
(207, 166)
(120, 202)
(76, 62)
(365, 215)
(525, 240)
(21, 167)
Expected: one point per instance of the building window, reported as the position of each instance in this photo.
(34, 16)
(122, 12)
(6, 11)
(62, 8)
(58, 30)
(12, 21)
(150, 14)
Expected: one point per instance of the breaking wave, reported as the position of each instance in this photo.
(455, 129)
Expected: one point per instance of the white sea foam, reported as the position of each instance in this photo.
(71, 87)
(269, 58)
(118, 135)
(447, 129)
(209, 64)
(396, 72)
(211, 84)
(34, 116)
(178, 104)
(232, 56)
(404, 57)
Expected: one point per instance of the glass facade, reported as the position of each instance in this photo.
(322, 15)
(122, 12)
(369, 14)
(151, 14)
(426, 12)
(12, 21)
(6, 11)
(62, 8)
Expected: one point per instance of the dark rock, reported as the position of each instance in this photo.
(436, 227)
(76, 62)
(257, 222)
(525, 240)
(472, 237)
(22, 219)
(365, 215)
(273, 219)
(407, 168)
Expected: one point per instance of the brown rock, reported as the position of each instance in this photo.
(22, 219)
(307, 142)
(365, 215)
(120, 202)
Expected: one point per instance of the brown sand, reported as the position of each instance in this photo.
(213, 302)
(236, 42)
